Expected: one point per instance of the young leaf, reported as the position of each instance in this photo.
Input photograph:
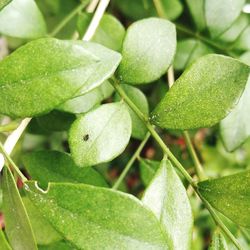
(100, 135)
(230, 195)
(86, 102)
(4, 245)
(235, 128)
(139, 130)
(167, 198)
(18, 228)
(54, 166)
(204, 94)
(218, 242)
(59, 69)
(221, 14)
(99, 218)
(104, 34)
(22, 19)
(44, 233)
(3, 3)
(148, 50)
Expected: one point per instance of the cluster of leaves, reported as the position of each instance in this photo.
(92, 101)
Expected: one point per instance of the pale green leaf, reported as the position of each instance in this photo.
(99, 218)
(220, 15)
(167, 198)
(54, 166)
(100, 135)
(243, 42)
(198, 98)
(22, 19)
(148, 50)
(4, 245)
(17, 224)
(139, 129)
(230, 196)
(49, 71)
(218, 242)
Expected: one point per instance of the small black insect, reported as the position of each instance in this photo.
(86, 137)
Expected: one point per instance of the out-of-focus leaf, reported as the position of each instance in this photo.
(3, 3)
(4, 245)
(218, 242)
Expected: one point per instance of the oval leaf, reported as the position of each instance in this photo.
(18, 228)
(100, 135)
(167, 198)
(148, 50)
(230, 195)
(49, 71)
(54, 166)
(99, 218)
(204, 94)
(22, 19)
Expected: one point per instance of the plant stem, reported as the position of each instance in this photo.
(9, 127)
(75, 11)
(130, 162)
(171, 156)
(11, 162)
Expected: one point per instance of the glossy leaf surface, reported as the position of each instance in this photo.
(59, 69)
(100, 135)
(148, 50)
(230, 195)
(98, 217)
(167, 198)
(203, 101)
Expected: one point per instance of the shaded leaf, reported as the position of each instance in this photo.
(148, 50)
(167, 198)
(40, 88)
(99, 218)
(100, 135)
(54, 166)
(4, 245)
(60, 245)
(18, 228)
(203, 101)
(22, 19)
(230, 195)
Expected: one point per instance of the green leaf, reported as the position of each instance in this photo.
(243, 42)
(60, 245)
(221, 14)
(49, 71)
(17, 224)
(54, 166)
(100, 135)
(229, 195)
(235, 128)
(4, 245)
(86, 102)
(148, 169)
(22, 19)
(148, 50)
(3, 3)
(167, 198)
(198, 98)
(188, 51)
(139, 130)
(218, 242)
(110, 32)
(99, 218)
(43, 231)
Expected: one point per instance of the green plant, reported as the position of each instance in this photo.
(80, 95)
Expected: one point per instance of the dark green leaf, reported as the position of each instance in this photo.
(49, 71)
(148, 50)
(218, 242)
(22, 19)
(221, 14)
(4, 245)
(198, 98)
(167, 198)
(110, 31)
(139, 130)
(18, 228)
(3, 3)
(99, 218)
(100, 135)
(53, 166)
(230, 195)
(148, 169)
